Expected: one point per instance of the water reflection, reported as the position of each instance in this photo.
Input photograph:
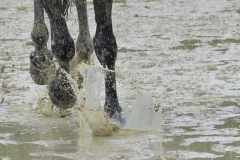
(56, 141)
(197, 81)
(24, 142)
(208, 140)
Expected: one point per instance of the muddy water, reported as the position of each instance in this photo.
(183, 53)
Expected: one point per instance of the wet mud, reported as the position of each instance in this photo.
(182, 53)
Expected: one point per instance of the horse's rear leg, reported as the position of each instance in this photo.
(42, 68)
(62, 44)
(106, 50)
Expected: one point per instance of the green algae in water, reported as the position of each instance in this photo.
(119, 1)
(208, 36)
(187, 45)
(232, 40)
(124, 5)
(215, 42)
(11, 39)
(2, 8)
(227, 10)
(22, 9)
(124, 49)
(228, 103)
(228, 123)
(238, 11)
(151, 0)
(191, 41)
(221, 50)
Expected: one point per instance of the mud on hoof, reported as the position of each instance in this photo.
(64, 113)
(61, 92)
(42, 67)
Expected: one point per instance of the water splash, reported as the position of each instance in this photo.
(142, 115)
(139, 114)
(138, 107)
(90, 111)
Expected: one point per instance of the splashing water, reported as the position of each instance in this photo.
(141, 114)
(138, 107)
(90, 114)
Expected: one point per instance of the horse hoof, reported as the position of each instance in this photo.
(113, 110)
(42, 67)
(61, 91)
(119, 119)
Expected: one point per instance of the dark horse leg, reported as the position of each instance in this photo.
(42, 68)
(84, 44)
(106, 50)
(62, 44)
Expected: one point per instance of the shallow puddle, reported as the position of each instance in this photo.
(183, 54)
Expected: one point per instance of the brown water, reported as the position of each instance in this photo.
(183, 53)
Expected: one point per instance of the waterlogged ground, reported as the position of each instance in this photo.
(184, 53)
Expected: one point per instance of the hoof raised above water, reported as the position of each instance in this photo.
(42, 67)
(61, 92)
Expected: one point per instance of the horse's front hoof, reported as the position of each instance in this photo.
(113, 110)
(42, 67)
(61, 92)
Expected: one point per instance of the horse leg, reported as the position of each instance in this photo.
(42, 67)
(106, 51)
(84, 44)
(62, 44)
